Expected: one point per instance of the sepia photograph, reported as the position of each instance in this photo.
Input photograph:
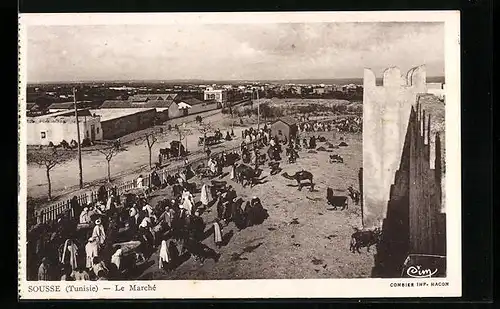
(176, 148)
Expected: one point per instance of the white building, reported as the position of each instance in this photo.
(56, 127)
(218, 95)
(437, 89)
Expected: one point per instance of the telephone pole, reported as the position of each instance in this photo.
(258, 111)
(78, 137)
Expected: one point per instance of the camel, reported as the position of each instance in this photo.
(246, 174)
(299, 176)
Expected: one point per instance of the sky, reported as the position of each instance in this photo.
(230, 51)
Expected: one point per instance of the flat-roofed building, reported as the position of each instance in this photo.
(56, 127)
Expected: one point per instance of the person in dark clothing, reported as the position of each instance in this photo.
(312, 142)
(197, 226)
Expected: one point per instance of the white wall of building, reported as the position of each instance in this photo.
(55, 131)
(219, 95)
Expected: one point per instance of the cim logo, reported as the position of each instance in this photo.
(419, 272)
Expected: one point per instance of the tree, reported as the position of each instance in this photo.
(150, 138)
(204, 128)
(48, 158)
(109, 152)
(182, 132)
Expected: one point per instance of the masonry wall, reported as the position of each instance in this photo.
(386, 110)
(117, 127)
(57, 131)
(200, 108)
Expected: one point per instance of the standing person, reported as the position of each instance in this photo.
(164, 260)
(91, 250)
(44, 270)
(98, 232)
(69, 255)
(197, 226)
(217, 234)
(256, 159)
(187, 201)
(84, 216)
(204, 196)
(139, 182)
(232, 175)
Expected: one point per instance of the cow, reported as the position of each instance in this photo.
(366, 239)
(336, 201)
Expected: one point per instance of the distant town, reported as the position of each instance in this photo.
(94, 94)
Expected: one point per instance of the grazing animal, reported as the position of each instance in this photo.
(336, 201)
(335, 158)
(246, 174)
(231, 158)
(360, 239)
(299, 176)
(354, 194)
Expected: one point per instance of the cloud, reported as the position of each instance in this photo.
(235, 51)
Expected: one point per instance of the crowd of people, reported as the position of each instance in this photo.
(109, 239)
(350, 125)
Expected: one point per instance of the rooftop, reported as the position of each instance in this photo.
(109, 114)
(288, 120)
(135, 104)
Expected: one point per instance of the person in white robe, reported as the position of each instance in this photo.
(84, 216)
(108, 202)
(116, 258)
(187, 201)
(134, 214)
(69, 254)
(164, 257)
(139, 182)
(149, 210)
(91, 251)
(232, 175)
(217, 234)
(205, 195)
(182, 176)
(98, 232)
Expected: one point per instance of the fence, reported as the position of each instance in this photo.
(52, 212)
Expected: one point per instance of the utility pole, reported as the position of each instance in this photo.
(78, 137)
(258, 110)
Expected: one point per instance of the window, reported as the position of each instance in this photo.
(43, 135)
(97, 130)
(280, 132)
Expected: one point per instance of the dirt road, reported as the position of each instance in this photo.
(64, 177)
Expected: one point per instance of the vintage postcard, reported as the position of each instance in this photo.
(239, 155)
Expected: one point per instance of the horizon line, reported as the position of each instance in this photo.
(201, 80)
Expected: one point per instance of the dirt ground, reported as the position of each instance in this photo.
(64, 177)
(316, 245)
